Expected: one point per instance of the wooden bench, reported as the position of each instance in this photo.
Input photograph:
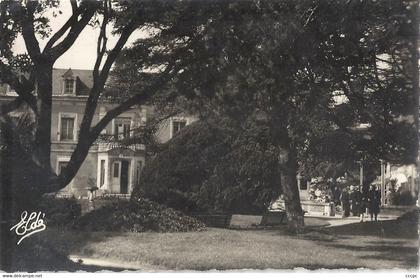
(214, 220)
(274, 218)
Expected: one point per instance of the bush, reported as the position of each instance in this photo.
(60, 211)
(392, 197)
(406, 198)
(212, 168)
(139, 215)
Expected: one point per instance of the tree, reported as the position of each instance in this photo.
(213, 166)
(30, 75)
(290, 61)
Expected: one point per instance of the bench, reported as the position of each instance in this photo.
(214, 220)
(274, 218)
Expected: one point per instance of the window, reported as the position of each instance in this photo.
(102, 176)
(61, 166)
(67, 128)
(69, 86)
(62, 163)
(116, 170)
(177, 126)
(122, 128)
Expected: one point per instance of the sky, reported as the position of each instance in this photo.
(82, 54)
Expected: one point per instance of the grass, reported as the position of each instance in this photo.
(382, 245)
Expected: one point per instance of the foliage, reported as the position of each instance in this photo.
(392, 195)
(406, 198)
(137, 215)
(60, 211)
(210, 167)
(30, 74)
(292, 60)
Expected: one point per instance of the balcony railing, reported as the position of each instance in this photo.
(106, 146)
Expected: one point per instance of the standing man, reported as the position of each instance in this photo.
(374, 201)
(364, 202)
(354, 201)
(345, 202)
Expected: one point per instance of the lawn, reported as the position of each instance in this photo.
(382, 245)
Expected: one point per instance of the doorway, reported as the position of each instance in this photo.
(124, 177)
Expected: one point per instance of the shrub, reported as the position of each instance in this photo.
(392, 197)
(60, 211)
(139, 215)
(210, 168)
(406, 198)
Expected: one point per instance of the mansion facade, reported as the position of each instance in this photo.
(110, 166)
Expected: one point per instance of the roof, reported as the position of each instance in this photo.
(84, 80)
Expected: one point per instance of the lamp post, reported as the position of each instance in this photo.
(361, 175)
(382, 181)
(361, 170)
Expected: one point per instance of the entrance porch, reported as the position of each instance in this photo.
(119, 170)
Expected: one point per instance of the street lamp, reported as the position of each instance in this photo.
(382, 181)
(360, 162)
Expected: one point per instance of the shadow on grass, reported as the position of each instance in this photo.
(49, 251)
(376, 240)
(382, 229)
(323, 266)
(92, 268)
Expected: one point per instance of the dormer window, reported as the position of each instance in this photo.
(69, 83)
(69, 86)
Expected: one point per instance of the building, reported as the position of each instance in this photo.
(110, 166)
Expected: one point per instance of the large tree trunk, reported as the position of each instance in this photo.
(288, 168)
(294, 212)
(42, 152)
(6, 205)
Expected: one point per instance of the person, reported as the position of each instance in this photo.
(345, 202)
(336, 194)
(355, 200)
(364, 202)
(374, 201)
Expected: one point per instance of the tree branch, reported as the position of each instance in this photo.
(86, 137)
(70, 22)
(10, 106)
(26, 18)
(23, 89)
(102, 41)
(74, 32)
(137, 99)
(100, 78)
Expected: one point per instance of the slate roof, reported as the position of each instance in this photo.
(84, 81)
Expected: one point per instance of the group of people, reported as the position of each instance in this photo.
(359, 202)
